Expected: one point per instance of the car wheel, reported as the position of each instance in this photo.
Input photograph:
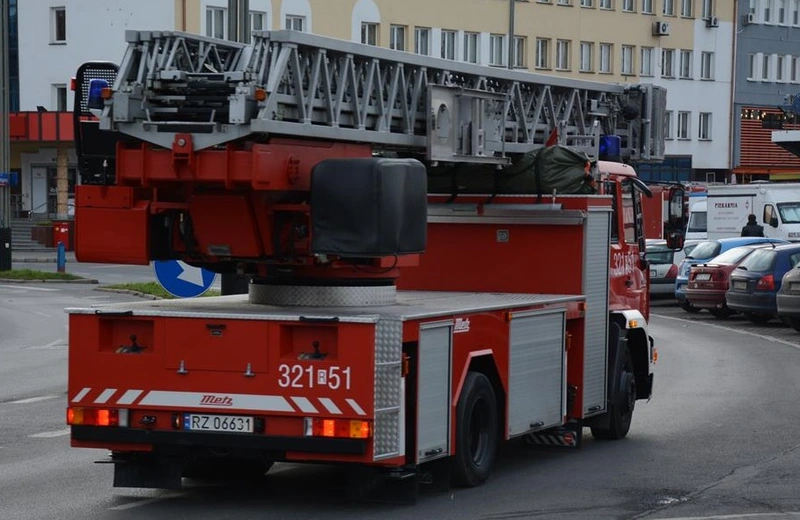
(758, 319)
(722, 314)
(688, 307)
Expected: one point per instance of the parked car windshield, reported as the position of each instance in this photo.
(790, 212)
(708, 249)
(732, 256)
(697, 222)
(760, 260)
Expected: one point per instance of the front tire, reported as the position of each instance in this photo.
(477, 432)
(620, 413)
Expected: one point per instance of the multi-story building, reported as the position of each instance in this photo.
(767, 73)
(685, 45)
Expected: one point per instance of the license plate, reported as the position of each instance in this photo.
(794, 286)
(740, 285)
(703, 277)
(217, 423)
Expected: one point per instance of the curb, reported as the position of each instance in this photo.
(33, 260)
(83, 280)
(128, 291)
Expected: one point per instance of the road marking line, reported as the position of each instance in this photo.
(43, 314)
(145, 502)
(50, 435)
(35, 399)
(27, 287)
(737, 517)
(731, 329)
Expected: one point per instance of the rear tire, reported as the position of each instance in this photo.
(758, 319)
(688, 307)
(620, 412)
(477, 432)
(723, 313)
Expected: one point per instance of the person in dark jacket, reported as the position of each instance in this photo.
(752, 229)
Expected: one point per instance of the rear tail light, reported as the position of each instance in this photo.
(96, 417)
(718, 275)
(341, 428)
(766, 283)
(673, 271)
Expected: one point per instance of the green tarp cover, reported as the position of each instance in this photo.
(540, 171)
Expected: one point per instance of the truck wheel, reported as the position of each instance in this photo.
(476, 432)
(621, 407)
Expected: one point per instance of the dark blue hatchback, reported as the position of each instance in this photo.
(756, 281)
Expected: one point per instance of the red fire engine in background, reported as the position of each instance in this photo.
(387, 324)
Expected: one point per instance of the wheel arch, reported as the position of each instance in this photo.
(641, 347)
(484, 362)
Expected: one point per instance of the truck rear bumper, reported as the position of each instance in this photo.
(186, 441)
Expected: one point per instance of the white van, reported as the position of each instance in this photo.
(775, 205)
(697, 228)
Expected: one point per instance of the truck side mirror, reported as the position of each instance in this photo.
(675, 241)
(675, 226)
(773, 222)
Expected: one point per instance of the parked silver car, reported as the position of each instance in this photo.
(664, 264)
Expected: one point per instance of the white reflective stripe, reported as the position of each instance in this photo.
(305, 405)
(264, 403)
(80, 395)
(330, 405)
(129, 396)
(105, 396)
(356, 408)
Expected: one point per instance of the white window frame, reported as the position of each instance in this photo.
(543, 53)
(422, 41)
(212, 22)
(60, 100)
(780, 6)
(704, 126)
(370, 32)
(449, 41)
(687, 8)
(294, 22)
(780, 68)
(607, 4)
(668, 63)
(497, 50)
(683, 129)
(628, 64)
(685, 65)
(471, 47)
(54, 25)
(795, 12)
(587, 3)
(587, 57)
(669, 8)
(647, 6)
(766, 13)
(707, 65)
(562, 55)
(520, 56)
(606, 58)
(668, 116)
(259, 15)
(397, 37)
(766, 67)
(708, 9)
(629, 6)
(646, 61)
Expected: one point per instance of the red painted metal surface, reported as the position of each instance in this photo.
(38, 127)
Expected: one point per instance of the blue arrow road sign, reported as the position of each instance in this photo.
(181, 279)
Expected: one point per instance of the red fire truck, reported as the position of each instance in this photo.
(387, 325)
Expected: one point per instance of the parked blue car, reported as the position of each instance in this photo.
(704, 252)
(756, 281)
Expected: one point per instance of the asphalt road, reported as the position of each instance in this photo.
(720, 437)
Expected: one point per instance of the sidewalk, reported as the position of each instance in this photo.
(31, 257)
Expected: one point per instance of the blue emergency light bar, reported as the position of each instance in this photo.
(95, 100)
(610, 148)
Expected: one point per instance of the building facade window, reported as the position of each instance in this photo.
(669, 8)
(258, 21)
(448, 50)
(397, 37)
(767, 18)
(795, 68)
(765, 59)
(668, 124)
(707, 65)
(520, 61)
(422, 41)
(704, 130)
(58, 25)
(471, 47)
(627, 60)
(628, 5)
(779, 66)
(606, 4)
(751, 66)
(542, 53)
(687, 8)
(781, 11)
(683, 125)
(369, 33)
(647, 6)
(496, 49)
(587, 3)
(708, 9)
(646, 64)
(795, 12)
(668, 63)
(60, 98)
(562, 55)
(295, 23)
(606, 57)
(686, 64)
(217, 22)
(587, 52)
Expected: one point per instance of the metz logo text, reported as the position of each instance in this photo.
(462, 325)
(216, 400)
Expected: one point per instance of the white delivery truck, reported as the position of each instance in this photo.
(697, 224)
(776, 207)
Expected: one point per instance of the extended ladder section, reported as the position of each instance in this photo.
(289, 83)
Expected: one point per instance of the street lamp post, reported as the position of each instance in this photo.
(511, 6)
(5, 181)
